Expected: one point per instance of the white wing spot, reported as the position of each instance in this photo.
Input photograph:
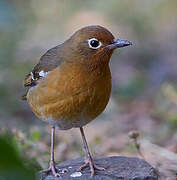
(42, 73)
(76, 174)
(32, 76)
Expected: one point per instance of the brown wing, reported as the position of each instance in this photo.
(49, 61)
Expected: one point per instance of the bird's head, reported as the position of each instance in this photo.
(93, 42)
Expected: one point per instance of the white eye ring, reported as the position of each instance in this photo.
(92, 46)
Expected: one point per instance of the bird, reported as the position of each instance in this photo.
(71, 85)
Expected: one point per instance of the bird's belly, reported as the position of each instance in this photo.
(74, 111)
(70, 110)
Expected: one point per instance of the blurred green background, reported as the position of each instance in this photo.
(144, 94)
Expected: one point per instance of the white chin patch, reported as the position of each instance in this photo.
(43, 74)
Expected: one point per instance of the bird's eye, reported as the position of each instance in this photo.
(94, 43)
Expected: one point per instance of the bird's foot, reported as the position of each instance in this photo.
(52, 169)
(92, 166)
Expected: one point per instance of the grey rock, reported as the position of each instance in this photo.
(116, 168)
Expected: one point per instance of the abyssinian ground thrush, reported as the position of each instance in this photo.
(71, 84)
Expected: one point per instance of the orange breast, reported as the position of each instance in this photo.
(71, 95)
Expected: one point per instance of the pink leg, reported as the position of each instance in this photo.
(89, 161)
(52, 168)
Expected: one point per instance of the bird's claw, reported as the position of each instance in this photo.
(52, 169)
(92, 166)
